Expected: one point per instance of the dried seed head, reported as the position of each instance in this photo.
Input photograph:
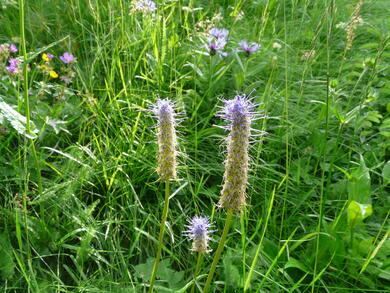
(239, 114)
(165, 113)
(198, 231)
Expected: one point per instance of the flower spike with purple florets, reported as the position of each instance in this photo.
(198, 231)
(248, 49)
(164, 110)
(239, 113)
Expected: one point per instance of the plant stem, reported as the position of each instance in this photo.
(160, 236)
(197, 269)
(217, 255)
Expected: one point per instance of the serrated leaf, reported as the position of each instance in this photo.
(17, 120)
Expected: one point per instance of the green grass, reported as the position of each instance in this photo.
(81, 202)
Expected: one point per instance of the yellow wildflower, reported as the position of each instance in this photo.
(45, 57)
(53, 74)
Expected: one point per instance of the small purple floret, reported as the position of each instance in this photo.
(50, 56)
(67, 58)
(13, 48)
(249, 49)
(198, 228)
(13, 65)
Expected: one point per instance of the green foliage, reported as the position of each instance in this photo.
(80, 199)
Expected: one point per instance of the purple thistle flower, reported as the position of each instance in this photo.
(67, 58)
(165, 113)
(249, 49)
(219, 33)
(198, 231)
(239, 114)
(13, 48)
(216, 46)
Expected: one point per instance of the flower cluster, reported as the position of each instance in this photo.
(198, 231)
(218, 38)
(12, 65)
(217, 41)
(239, 113)
(144, 6)
(165, 113)
(67, 73)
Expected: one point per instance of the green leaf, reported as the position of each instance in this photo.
(357, 213)
(7, 265)
(17, 120)
(386, 173)
(359, 184)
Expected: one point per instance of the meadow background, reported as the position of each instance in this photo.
(81, 202)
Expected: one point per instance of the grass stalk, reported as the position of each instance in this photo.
(218, 253)
(197, 269)
(160, 236)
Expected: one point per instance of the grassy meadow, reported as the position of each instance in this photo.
(81, 200)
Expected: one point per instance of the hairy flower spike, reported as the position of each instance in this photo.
(198, 231)
(239, 113)
(164, 111)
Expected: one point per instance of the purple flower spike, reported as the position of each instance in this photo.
(13, 48)
(219, 33)
(239, 113)
(249, 49)
(216, 46)
(198, 231)
(67, 58)
(167, 163)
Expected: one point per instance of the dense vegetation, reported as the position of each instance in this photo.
(81, 200)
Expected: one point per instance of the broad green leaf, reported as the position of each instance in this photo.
(386, 173)
(357, 212)
(7, 265)
(359, 184)
(17, 120)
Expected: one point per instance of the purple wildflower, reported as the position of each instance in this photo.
(50, 56)
(144, 6)
(219, 33)
(239, 114)
(67, 58)
(249, 49)
(13, 66)
(198, 231)
(165, 113)
(216, 46)
(13, 48)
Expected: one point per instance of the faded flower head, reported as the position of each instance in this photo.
(219, 33)
(165, 113)
(67, 58)
(239, 114)
(198, 231)
(248, 49)
(144, 6)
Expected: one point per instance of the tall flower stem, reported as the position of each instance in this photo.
(218, 252)
(160, 236)
(197, 269)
